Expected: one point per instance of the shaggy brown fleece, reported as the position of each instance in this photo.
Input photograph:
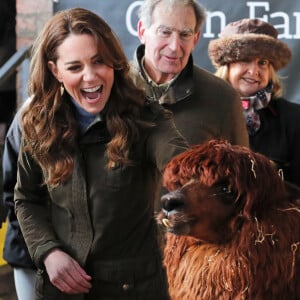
(232, 232)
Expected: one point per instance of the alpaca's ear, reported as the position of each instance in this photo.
(293, 192)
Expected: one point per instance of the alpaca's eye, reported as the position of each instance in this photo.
(225, 190)
(222, 190)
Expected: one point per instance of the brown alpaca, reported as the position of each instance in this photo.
(233, 233)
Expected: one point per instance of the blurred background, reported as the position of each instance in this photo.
(21, 20)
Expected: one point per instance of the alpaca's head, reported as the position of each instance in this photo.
(215, 187)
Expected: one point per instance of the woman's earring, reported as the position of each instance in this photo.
(62, 89)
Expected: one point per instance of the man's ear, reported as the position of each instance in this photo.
(196, 39)
(141, 31)
(53, 68)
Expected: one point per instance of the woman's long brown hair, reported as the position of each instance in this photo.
(49, 126)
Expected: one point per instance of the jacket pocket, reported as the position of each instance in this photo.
(119, 176)
(129, 279)
(63, 223)
(44, 290)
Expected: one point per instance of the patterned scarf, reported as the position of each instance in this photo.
(254, 103)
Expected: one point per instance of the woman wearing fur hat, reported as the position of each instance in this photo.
(248, 55)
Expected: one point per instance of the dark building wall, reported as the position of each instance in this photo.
(7, 49)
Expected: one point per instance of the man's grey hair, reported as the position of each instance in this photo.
(148, 6)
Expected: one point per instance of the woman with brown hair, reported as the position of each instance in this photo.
(90, 167)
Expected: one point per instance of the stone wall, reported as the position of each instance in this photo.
(31, 16)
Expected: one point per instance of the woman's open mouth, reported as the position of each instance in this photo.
(92, 94)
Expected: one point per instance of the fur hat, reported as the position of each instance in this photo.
(247, 39)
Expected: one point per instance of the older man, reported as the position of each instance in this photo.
(204, 106)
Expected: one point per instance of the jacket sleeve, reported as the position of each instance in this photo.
(239, 133)
(3, 208)
(32, 202)
(164, 140)
(10, 157)
(9, 165)
(291, 114)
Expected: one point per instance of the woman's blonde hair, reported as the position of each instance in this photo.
(277, 90)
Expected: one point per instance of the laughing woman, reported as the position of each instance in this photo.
(90, 167)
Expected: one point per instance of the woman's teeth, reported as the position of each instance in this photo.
(91, 90)
(92, 93)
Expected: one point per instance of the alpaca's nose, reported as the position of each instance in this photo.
(172, 201)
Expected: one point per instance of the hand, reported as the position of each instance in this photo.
(66, 274)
